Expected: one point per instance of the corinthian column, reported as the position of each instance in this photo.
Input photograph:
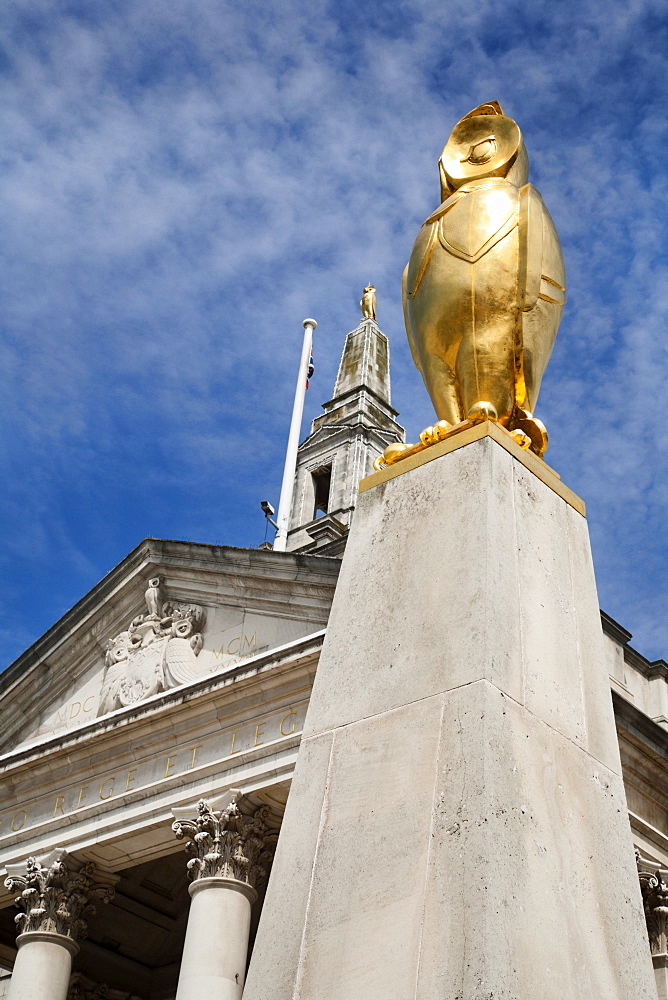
(231, 853)
(54, 901)
(654, 889)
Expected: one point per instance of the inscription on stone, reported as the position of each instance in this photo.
(124, 778)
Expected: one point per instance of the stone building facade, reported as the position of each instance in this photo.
(149, 739)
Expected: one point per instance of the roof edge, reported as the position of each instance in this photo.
(148, 551)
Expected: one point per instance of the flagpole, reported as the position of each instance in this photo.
(288, 484)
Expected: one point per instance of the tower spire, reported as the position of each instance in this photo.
(365, 363)
(356, 425)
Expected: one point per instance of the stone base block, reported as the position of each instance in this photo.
(457, 825)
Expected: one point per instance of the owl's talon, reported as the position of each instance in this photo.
(482, 410)
(392, 454)
(522, 439)
(525, 422)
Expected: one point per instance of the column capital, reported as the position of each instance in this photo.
(654, 888)
(54, 898)
(227, 844)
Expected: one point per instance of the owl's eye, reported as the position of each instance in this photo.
(481, 152)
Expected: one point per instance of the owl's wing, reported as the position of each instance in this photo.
(409, 332)
(541, 263)
(179, 663)
(542, 290)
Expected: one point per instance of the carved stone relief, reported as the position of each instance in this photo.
(228, 844)
(80, 989)
(54, 898)
(157, 652)
(83, 988)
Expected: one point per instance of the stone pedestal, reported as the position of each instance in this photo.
(216, 945)
(457, 825)
(43, 966)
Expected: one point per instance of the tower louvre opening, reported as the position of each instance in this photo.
(322, 483)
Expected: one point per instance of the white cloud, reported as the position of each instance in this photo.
(182, 183)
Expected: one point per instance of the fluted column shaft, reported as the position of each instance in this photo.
(231, 853)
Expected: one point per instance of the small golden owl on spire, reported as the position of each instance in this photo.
(368, 302)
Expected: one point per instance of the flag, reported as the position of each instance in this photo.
(311, 369)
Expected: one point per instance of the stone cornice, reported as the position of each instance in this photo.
(643, 731)
(649, 668)
(361, 389)
(614, 629)
(336, 434)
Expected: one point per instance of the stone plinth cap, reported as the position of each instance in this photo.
(487, 428)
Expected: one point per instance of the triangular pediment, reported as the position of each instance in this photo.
(170, 614)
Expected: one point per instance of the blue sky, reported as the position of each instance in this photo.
(184, 182)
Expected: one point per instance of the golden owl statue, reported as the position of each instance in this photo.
(368, 302)
(484, 288)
